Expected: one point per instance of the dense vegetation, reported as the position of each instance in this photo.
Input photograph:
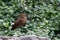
(44, 17)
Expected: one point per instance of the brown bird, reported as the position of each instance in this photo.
(21, 20)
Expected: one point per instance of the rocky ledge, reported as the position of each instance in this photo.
(27, 37)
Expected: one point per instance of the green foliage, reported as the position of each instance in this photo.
(44, 14)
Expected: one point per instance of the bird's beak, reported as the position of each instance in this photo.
(28, 17)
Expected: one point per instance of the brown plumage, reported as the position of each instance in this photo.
(21, 20)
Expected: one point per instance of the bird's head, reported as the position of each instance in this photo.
(23, 15)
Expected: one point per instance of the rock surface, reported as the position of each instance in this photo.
(28, 37)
